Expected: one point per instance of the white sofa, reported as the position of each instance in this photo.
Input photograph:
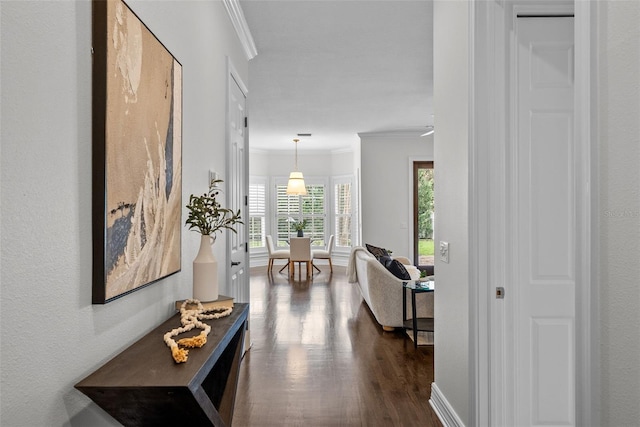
(382, 291)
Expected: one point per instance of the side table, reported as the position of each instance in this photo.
(416, 323)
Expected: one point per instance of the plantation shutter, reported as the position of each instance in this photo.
(257, 215)
(342, 214)
(313, 210)
(297, 208)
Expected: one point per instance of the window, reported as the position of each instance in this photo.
(297, 208)
(257, 214)
(342, 214)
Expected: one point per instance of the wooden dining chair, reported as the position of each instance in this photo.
(300, 251)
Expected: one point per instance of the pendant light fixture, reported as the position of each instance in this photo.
(296, 185)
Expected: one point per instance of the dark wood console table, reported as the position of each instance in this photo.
(143, 386)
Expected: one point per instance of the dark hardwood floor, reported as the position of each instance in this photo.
(318, 358)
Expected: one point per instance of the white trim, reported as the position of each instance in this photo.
(410, 203)
(264, 181)
(331, 213)
(477, 336)
(443, 409)
(486, 232)
(242, 28)
(233, 77)
(587, 313)
(243, 291)
(420, 159)
(231, 71)
(541, 7)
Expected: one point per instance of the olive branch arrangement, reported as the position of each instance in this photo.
(207, 216)
(300, 225)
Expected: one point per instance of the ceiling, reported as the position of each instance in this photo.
(334, 68)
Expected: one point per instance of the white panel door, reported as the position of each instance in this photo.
(544, 223)
(238, 272)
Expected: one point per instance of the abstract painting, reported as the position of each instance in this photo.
(137, 154)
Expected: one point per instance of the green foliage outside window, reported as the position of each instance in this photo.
(425, 204)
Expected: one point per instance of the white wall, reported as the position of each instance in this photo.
(258, 162)
(451, 106)
(311, 163)
(387, 188)
(619, 210)
(342, 162)
(52, 336)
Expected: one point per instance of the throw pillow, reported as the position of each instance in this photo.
(385, 260)
(376, 251)
(396, 268)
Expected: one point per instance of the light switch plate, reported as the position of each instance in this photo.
(212, 175)
(444, 252)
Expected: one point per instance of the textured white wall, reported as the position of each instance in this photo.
(314, 163)
(451, 101)
(619, 210)
(51, 334)
(342, 163)
(386, 187)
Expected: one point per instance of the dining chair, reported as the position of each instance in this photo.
(324, 253)
(300, 251)
(276, 254)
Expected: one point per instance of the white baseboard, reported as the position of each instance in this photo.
(443, 409)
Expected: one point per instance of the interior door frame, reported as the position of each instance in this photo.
(233, 77)
(489, 120)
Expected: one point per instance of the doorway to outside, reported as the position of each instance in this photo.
(423, 219)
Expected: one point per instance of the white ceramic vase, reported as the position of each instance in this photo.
(205, 272)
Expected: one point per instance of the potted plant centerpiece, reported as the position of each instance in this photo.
(207, 217)
(299, 226)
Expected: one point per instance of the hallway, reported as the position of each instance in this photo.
(318, 358)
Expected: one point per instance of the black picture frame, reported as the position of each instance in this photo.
(137, 154)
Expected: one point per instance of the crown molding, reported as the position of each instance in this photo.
(242, 28)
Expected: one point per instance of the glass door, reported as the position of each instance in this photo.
(423, 220)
